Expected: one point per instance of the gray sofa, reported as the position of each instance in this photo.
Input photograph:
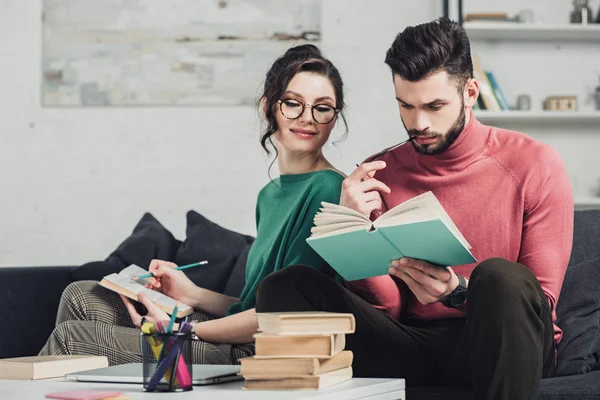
(29, 297)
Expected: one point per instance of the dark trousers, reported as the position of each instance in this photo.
(501, 350)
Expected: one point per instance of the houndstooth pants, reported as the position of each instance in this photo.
(92, 320)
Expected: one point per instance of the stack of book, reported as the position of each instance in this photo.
(299, 350)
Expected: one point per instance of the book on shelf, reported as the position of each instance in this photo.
(305, 323)
(305, 346)
(497, 91)
(125, 284)
(486, 91)
(488, 17)
(358, 248)
(320, 381)
(271, 368)
(43, 367)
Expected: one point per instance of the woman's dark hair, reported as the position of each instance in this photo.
(422, 50)
(303, 58)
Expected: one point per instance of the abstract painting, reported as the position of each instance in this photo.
(99, 53)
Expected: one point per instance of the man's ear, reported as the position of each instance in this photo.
(471, 92)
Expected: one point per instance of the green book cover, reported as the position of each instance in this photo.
(366, 250)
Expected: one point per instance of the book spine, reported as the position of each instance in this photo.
(497, 92)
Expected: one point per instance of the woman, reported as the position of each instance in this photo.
(301, 102)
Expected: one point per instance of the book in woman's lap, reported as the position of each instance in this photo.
(125, 284)
(358, 248)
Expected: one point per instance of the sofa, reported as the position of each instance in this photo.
(30, 295)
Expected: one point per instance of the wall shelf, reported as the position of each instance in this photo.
(538, 116)
(503, 31)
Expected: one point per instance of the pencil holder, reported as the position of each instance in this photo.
(167, 361)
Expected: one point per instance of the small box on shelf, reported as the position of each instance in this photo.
(560, 103)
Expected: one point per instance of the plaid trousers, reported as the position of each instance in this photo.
(92, 320)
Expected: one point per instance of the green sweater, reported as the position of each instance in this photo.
(284, 216)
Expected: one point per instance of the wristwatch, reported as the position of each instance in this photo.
(458, 296)
(193, 323)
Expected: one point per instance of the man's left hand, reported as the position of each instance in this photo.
(429, 283)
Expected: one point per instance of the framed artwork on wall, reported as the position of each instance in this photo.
(99, 53)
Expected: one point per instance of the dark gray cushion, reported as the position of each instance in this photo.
(206, 240)
(237, 278)
(149, 240)
(578, 387)
(586, 236)
(578, 312)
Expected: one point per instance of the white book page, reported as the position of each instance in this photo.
(124, 280)
(316, 230)
(325, 219)
(337, 231)
(330, 208)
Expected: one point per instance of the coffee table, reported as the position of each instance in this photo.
(357, 388)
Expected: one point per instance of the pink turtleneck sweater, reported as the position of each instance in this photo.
(509, 195)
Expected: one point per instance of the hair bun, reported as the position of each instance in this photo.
(303, 51)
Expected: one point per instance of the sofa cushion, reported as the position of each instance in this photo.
(578, 315)
(578, 387)
(206, 240)
(237, 278)
(149, 240)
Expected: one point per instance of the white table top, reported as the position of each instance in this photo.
(357, 388)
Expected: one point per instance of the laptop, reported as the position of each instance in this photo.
(203, 374)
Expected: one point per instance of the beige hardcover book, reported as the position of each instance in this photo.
(311, 346)
(485, 87)
(42, 367)
(269, 368)
(124, 284)
(309, 382)
(305, 323)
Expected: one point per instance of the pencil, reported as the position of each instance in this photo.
(177, 269)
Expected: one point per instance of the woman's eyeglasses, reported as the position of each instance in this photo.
(321, 113)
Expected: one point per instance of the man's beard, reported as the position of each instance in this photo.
(444, 140)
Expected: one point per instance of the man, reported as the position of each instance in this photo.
(488, 326)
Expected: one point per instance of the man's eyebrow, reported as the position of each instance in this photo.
(429, 104)
(403, 102)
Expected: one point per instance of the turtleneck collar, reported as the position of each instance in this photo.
(470, 144)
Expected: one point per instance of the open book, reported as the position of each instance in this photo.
(124, 284)
(418, 228)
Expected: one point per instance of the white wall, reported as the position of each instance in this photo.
(543, 69)
(75, 181)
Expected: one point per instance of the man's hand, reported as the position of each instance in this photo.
(429, 283)
(360, 191)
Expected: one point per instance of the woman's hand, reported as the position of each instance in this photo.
(171, 282)
(155, 314)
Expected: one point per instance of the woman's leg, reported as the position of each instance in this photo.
(88, 301)
(122, 345)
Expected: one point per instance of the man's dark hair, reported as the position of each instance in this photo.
(422, 50)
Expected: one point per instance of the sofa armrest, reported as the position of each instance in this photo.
(29, 298)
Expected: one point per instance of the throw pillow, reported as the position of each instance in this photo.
(206, 240)
(237, 278)
(578, 315)
(149, 240)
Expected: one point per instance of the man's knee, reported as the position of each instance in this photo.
(273, 288)
(503, 279)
